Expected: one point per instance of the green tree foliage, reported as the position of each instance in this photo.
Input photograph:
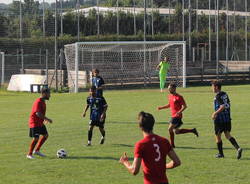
(4, 22)
(33, 27)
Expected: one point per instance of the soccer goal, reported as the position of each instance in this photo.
(122, 63)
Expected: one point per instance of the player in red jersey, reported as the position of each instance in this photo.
(151, 152)
(177, 105)
(36, 124)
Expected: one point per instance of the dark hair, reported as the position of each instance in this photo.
(92, 88)
(216, 83)
(146, 121)
(172, 85)
(45, 90)
(95, 70)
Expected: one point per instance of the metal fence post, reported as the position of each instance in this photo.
(22, 62)
(46, 66)
(56, 47)
(202, 62)
(194, 58)
(122, 67)
(3, 66)
(61, 70)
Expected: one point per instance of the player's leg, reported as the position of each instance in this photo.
(101, 128)
(186, 130)
(219, 145)
(90, 133)
(178, 122)
(218, 129)
(35, 137)
(43, 138)
(103, 135)
(171, 128)
(162, 80)
(234, 143)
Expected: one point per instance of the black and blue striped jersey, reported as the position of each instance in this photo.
(96, 105)
(98, 82)
(222, 98)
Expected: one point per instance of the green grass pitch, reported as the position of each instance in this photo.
(99, 164)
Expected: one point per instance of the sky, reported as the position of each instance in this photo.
(10, 1)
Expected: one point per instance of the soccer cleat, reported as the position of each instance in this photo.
(89, 143)
(196, 132)
(39, 153)
(102, 140)
(219, 155)
(239, 153)
(30, 157)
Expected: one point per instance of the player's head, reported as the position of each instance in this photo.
(92, 91)
(45, 92)
(95, 72)
(166, 59)
(146, 121)
(172, 88)
(216, 86)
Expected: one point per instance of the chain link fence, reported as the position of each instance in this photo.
(33, 32)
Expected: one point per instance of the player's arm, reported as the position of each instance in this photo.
(103, 115)
(222, 108)
(133, 168)
(101, 84)
(183, 106)
(164, 107)
(100, 87)
(158, 67)
(85, 110)
(175, 161)
(41, 116)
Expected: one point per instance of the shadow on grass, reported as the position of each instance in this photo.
(91, 158)
(244, 158)
(119, 122)
(196, 148)
(123, 145)
(134, 122)
(94, 158)
(162, 122)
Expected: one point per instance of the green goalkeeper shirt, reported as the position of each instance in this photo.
(164, 67)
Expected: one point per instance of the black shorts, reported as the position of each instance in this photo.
(97, 123)
(222, 127)
(176, 121)
(37, 131)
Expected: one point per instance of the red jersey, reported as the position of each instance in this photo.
(176, 101)
(153, 150)
(38, 106)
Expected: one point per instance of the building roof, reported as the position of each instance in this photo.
(162, 11)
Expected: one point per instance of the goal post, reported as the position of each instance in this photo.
(127, 62)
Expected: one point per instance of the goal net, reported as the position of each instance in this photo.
(122, 63)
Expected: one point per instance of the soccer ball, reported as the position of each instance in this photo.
(61, 153)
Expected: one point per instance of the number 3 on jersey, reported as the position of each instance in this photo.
(157, 149)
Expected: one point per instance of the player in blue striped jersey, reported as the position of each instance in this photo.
(98, 107)
(222, 119)
(98, 82)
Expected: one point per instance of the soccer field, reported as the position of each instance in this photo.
(98, 164)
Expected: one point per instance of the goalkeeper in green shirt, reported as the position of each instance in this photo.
(163, 68)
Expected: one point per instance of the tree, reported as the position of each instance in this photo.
(4, 22)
